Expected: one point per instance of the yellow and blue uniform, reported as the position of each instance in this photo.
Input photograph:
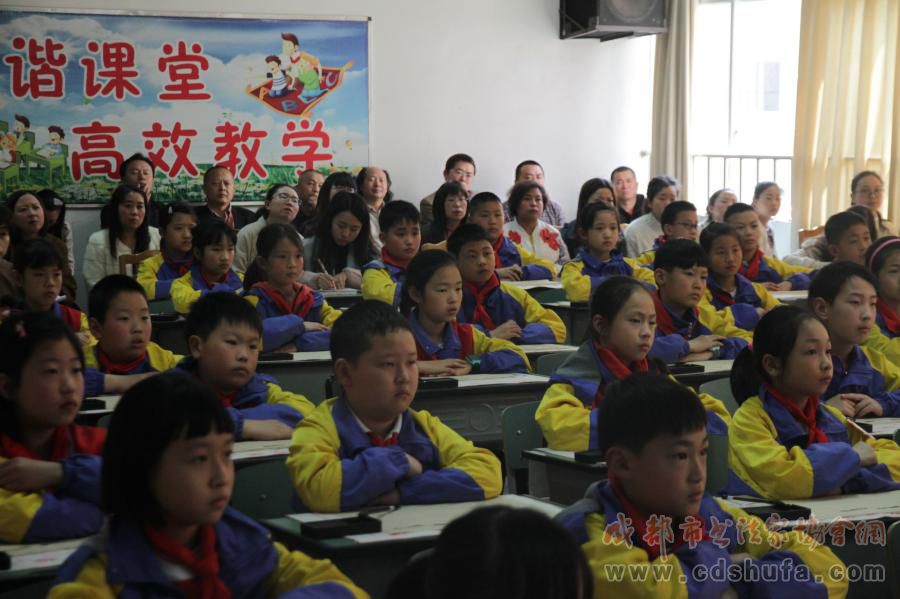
(674, 331)
(497, 302)
(260, 399)
(887, 320)
(769, 269)
(283, 323)
(884, 344)
(69, 511)
(156, 359)
(462, 341)
(611, 535)
(648, 258)
(568, 412)
(157, 273)
(335, 465)
(582, 275)
(192, 286)
(742, 304)
(125, 564)
(75, 319)
(382, 280)
(870, 373)
(509, 253)
(769, 452)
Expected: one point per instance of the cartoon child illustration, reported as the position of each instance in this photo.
(7, 150)
(54, 146)
(304, 68)
(22, 125)
(277, 75)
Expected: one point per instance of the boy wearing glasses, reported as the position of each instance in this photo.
(679, 221)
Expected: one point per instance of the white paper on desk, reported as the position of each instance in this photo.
(47, 559)
(496, 380)
(882, 426)
(789, 296)
(310, 356)
(746, 503)
(713, 366)
(538, 284)
(317, 517)
(377, 537)
(547, 348)
(328, 293)
(566, 455)
(868, 506)
(244, 450)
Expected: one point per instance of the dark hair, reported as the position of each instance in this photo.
(525, 163)
(210, 232)
(465, 233)
(11, 201)
(22, 119)
(268, 238)
(870, 218)
(361, 177)
(670, 213)
(517, 194)
(333, 256)
(505, 553)
(419, 272)
(106, 290)
(142, 235)
(712, 232)
(775, 334)
(352, 333)
(168, 211)
(737, 208)
(290, 37)
(452, 188)
(621, 169)
(838, 224)
(831, 278)
(642, 407)
(451, 162)
(714, 197)
(273, 58)
(123, 168)
(880, 250)
(761, 188)
(149, 417)
(20, 335)
(680, 253)
(338, 179)
(858, 177)
(211, 310)
(263, 211)
(589, 188)
(213, 169)
(483, 197)
(610, 295)
(587, 215)
(5, 217)
(657, 184)
(397, 213)
(36, 253)
(51, 200)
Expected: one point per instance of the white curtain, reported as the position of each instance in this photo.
(847, 120)
(671, 94)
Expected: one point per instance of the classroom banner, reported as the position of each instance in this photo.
(268, 98)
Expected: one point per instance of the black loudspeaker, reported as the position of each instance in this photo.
(611, 19)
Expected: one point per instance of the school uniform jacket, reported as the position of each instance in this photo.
(888, 346)
(157, 273)
(674, 331)
(870, 373)
(191, 286)
(507, 302)
(887, 320)
(748, 296)
(507, 253)
(568, 412)
(464, 340)
(75, 319)
(768, 269)
(335, 466)
(383, 282)
(124, 564)
(768, 451)
(68, 511)
(615, 553)
(582, 275)
(283, 323)
(260, 399)
(156, 359)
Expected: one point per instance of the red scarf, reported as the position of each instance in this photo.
(466, 340)
(806, 417)
(664, 321)
(181, 266)
(206, 583)
(227, 399)
(721, 295)
(66, 440)
(107, 365)
(616, 368)
(889, 316)
(497, 245)
(303, 299)
(751, 271)
(377, 441)
(71, 316)
(210, 285)
(388, 259)
(480, 315)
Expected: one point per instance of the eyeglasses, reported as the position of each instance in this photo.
(287, 197)
(689, 226)
(462, 174)
(870, 192)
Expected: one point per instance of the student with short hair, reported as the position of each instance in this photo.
(848, 237)
(783, 442)
(883, 261)
(210, 272)
(120, 321)
(224, 332)
(432, 297)
(718, 203)
(294, 317)
(498, 309)
(527, 202)
(451, 204)
(280, 207)
(727, 290)
(653, 511)
(334, 257)
(157, 273)
(687, 328)
(643, 231)
(599, 257)
(401, 236)
(459, 168)
(592, 191)
(49, 466)
(218, 187)
(623, 324)
(679, 221)
(367, 446)
(767, 202)
(756, 266)
(816, 252)
(167, 480)
(630, 203)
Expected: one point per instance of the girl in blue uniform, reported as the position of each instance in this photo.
(883, 260)
(176, 225)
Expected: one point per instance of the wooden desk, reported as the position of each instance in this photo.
(577, 318)
(372, 560)
(567, 480)
(304, 373)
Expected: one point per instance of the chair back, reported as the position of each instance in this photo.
(721, 390)
(548, 363)
(263, 489)
(520, 432)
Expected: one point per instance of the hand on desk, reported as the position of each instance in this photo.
(508, 330)
(702, 356)
(704, 343)
(448, 367)
(856, 405)
(783, 286)
(266, 430)
(510, 273)
(24, 475)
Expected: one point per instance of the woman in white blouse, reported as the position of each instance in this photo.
(527, 201)
(129, 233)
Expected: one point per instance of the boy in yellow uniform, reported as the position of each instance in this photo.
(401, 234)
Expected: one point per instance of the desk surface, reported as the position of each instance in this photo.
(538, 284)
(562, 458)
(863, 506)
(38, 559)
(790, 296)
(252, 450)
(299, 357)
(882, 427)
(546, 348)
